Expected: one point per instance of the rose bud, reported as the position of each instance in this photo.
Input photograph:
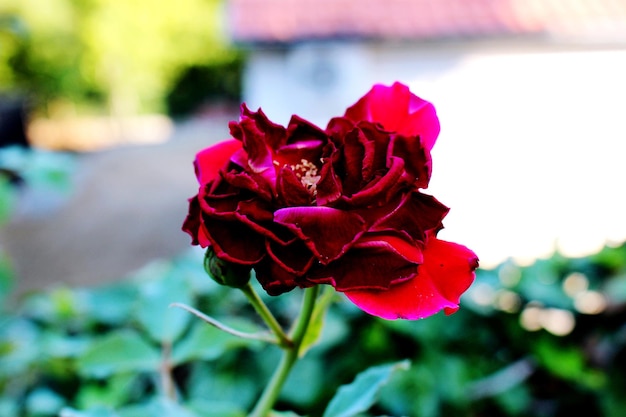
(225, 273)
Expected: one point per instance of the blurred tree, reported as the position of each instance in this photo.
(220, 81)
(124, 55)
(11, 31)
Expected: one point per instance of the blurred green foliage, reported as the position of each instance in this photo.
(120, 56)
(39, 170)
(542, 340)
(220, 81)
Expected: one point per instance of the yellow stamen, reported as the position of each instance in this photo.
(307, 173)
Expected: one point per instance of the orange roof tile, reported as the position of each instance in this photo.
(293, 20)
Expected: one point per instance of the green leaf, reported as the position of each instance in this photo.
(8, 198)
(164, 324)
(20, 347)
(7, 278)
(567, 362)
(206, 408)
(94, 412)
(360, 395)
(59, 345)
(44, 401)
(112, 304)
(233, 383)
(206, 342)
(122, 351)
(316, 324)
(9, 407)
(306, 380)
(159, 407)
(615, 289)
(116, 391)
(60, 306)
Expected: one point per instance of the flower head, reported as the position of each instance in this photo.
(341, 206)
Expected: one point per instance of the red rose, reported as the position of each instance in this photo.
(341, 206)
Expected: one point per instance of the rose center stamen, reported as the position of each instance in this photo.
(307, 174)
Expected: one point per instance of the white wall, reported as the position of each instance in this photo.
(532, 151)
(311, 80)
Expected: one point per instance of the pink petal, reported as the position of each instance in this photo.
(411, 300)
(422, 121)
(447, 272)
(385, 105)
(398, 110)
(451, 267)
(210, 160)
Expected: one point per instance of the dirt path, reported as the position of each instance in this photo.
(127, 208)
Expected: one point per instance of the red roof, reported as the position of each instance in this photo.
(293, 20)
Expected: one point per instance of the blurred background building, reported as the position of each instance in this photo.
(309, 56)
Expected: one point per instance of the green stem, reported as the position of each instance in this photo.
(289, 358)
(215, 323)
(266, 315)
(167, 381)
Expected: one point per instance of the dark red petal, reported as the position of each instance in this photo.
(417, 159)
(260, 139)
(274, 134)
(300, 129)
(253, 214)
(261, 185)
(378, 159)
(290, 190)
(234, 241)
(293, 257)
(374, 262)
(260, 157)
(381, 188)
(447, 272)
(326, 231)
(219, 203)
(329, 188)
(417, 214)
(294, 153)
(255, 209)
(192, 222)
(354, 153)
(209, 161)
(274, 279)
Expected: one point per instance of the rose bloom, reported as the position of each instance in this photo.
(342, 206)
